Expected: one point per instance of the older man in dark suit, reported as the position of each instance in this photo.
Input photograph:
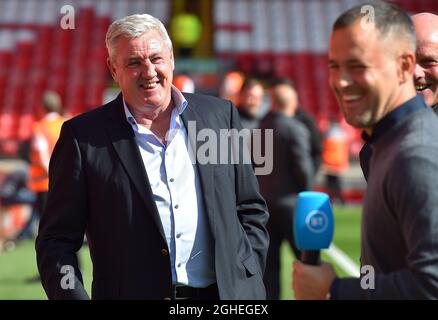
(159, 225)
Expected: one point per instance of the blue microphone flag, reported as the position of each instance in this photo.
(313, 221)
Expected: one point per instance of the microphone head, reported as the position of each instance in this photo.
(313, 221)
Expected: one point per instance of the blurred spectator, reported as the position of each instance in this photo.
(186, 30)
(231, 86)
(9, 148)
(184, 83)
(426, 71)
(250, 102)
(292, 173)
(305, 118)
(13, 191)
(45, 134)
(335, 160)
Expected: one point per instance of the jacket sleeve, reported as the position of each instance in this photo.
(251, 207)
(62, 224)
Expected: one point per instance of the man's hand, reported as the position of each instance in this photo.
(312, 282)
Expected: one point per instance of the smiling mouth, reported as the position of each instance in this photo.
(421, 87)
(149, 85)
(351, 97)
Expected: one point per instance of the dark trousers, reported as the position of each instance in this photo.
(334, 188)
(280, 228)
(37, 209)
(189, 293)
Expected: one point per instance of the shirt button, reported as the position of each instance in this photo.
(178, 235)
(164, 252)
(179, 265)
(172, 180)
(176, 206)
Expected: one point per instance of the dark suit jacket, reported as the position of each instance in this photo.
(400, 211)
(292, 163)
(99, 186)
(315, 137)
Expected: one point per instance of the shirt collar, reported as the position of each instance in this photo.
(394, 117)
(177, 97)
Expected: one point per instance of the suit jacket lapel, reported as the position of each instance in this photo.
(123, 140)
(205, 171)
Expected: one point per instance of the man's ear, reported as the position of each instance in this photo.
(111, 68)
(406, 66)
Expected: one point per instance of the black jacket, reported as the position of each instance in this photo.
(98, 186)
(292, 164)
(315, 137)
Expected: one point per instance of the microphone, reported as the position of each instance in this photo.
(313, 225)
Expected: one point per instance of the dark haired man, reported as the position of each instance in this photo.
(372, 64)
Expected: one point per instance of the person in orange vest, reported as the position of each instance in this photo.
(335, 158)
(231, 86)
(184, 83)
(45, 134)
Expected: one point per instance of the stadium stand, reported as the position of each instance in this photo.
(37, 54)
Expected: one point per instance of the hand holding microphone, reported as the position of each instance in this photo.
(313, 225)
(313, 230)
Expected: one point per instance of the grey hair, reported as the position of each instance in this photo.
(134, 26)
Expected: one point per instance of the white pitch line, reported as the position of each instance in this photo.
(343, 260)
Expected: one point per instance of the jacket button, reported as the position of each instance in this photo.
(164, 252)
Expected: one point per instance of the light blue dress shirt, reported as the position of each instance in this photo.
(178, 196)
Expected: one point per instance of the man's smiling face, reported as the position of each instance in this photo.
(143, 68)
(426, 71)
